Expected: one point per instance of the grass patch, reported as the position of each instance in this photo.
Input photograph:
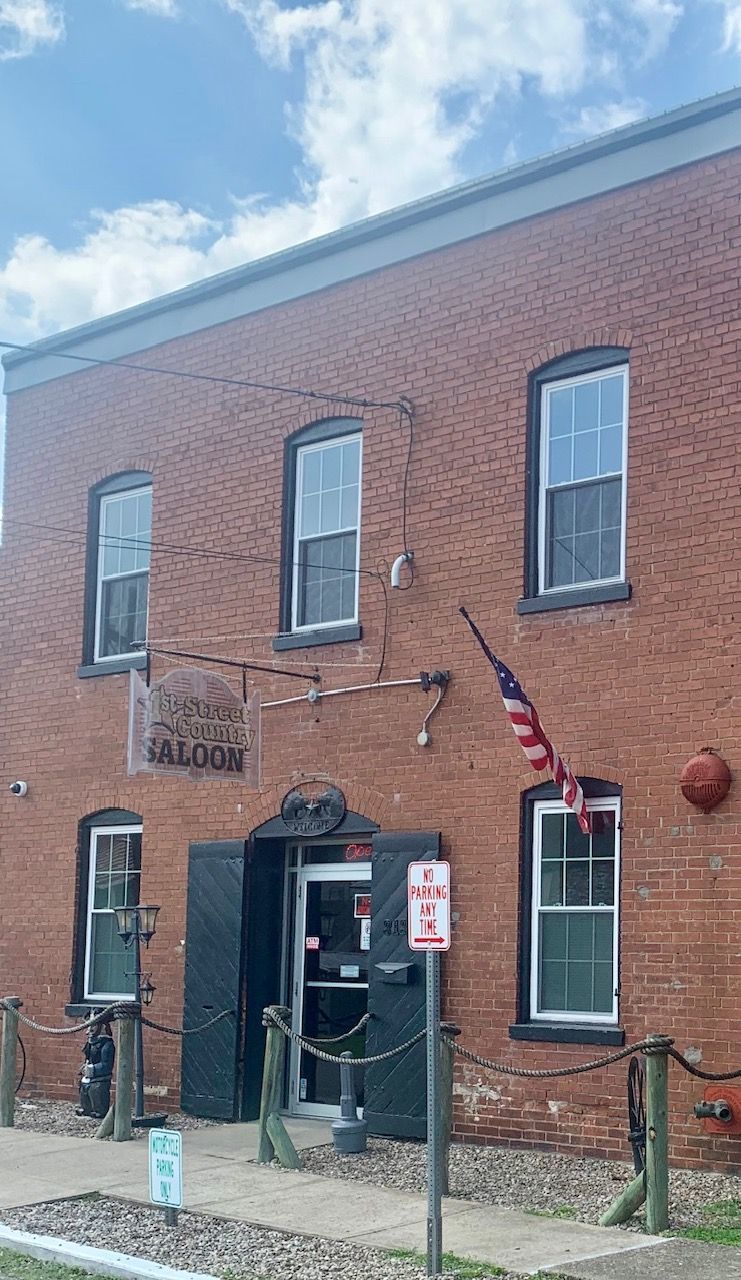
(18, 1266)
(465, 1268)
(721, 1224)
(561, 1211)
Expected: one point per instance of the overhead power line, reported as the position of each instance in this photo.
(330, 397)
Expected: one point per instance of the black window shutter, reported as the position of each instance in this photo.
(213, 978)
(395, 1090)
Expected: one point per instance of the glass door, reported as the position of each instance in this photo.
(330, 989)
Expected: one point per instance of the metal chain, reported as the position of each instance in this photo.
(330, 1057)
(188, 1031)
(654, 1044)
(118, 1010)
(338, 1039)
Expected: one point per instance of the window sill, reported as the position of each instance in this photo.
(324, 635)
(116, 667)
(567, 1033)
(82, 1009)
(575, 598)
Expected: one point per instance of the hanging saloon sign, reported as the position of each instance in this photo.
(192, 724)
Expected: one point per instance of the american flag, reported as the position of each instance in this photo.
(531, 736)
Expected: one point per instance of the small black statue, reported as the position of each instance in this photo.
(95, 1075)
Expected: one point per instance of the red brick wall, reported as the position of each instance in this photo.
(629, 691)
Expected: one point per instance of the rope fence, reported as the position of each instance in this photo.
(123, 1009)
(272, 1016)
(649, 1186)
(117, 1012)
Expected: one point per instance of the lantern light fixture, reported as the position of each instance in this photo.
(133, 922)
(146, 989)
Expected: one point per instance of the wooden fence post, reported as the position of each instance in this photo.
(8, 1055)
(657, 1138)
(630, 1199)
(272, 1080)
(124, 1080)
(447, 1062)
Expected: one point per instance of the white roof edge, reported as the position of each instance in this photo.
(631, 154)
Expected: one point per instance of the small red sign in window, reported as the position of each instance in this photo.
(362, 906)
(358, 852)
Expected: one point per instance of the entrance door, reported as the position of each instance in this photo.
(330, 987)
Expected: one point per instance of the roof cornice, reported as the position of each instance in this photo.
(624, 156)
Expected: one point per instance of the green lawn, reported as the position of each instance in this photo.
(17, 1266)
(721, 1224)
(464, 1268)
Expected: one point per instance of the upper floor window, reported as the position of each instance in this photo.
(124, 536)
(577, 491)
(327, 527)
(321, 542)
(117, 590)
(582, 527)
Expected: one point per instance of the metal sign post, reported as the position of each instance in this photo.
(428, 924)
(434, 1171)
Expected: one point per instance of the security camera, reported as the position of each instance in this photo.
(19, 788)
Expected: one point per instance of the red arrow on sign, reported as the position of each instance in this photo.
(429, 939)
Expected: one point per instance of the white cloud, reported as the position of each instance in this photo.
(160, 8)
(124, 257)
(658, 19)
(27, 25)
(732, 26)
(609, 115)
(393, 94)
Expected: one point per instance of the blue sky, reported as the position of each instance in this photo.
(147, 143)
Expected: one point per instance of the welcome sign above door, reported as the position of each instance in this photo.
(192, 724)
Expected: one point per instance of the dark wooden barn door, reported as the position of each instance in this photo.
(213, 977)
(395, 1090)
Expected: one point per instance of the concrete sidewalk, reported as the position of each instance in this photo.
(220, 1180)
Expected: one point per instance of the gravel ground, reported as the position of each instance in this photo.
(44, 1116)
(211, 1245)
(532, 1180)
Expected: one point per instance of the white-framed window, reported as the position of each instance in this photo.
(326, 540)
(575, 913)
(124, 536)
(582, 498)
(114, 872)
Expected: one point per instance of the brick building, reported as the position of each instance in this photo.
(593, 542)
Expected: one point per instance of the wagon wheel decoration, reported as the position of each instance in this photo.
(637, 1113)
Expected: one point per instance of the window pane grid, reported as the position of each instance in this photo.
(115, 871)
(582, 467)
(124, 535)
(575, 916)
(326, 543)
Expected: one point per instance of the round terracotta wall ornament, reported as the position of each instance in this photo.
(705, 780)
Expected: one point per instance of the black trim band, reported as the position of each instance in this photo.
(575, 598)
(114, 667)
(565, 1033)
(324, 635)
